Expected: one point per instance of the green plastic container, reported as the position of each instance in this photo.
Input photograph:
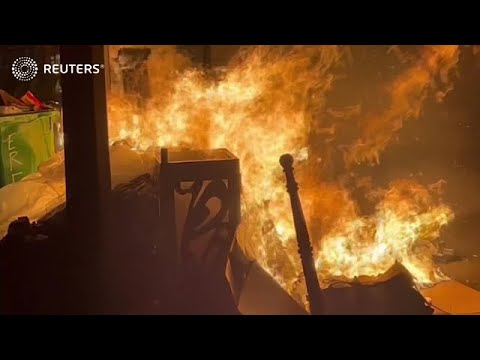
(27, 140)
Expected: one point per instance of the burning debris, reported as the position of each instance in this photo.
(272, 100)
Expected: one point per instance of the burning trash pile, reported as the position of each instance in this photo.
(272, 100)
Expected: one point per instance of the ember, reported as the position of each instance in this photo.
(272, 100)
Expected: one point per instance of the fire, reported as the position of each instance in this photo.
(406, 95)
(406, 222)
(272, 100)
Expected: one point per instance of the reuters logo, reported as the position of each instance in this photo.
(24, 68)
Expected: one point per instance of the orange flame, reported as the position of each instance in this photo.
(272, 100)
(406, 95)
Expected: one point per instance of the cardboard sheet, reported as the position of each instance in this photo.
(261, 295)
(452, 297)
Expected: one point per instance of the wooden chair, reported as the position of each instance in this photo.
(200, 211)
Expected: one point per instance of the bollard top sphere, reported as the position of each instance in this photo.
(286, 160)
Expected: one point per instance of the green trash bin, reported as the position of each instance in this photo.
(27, 140)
